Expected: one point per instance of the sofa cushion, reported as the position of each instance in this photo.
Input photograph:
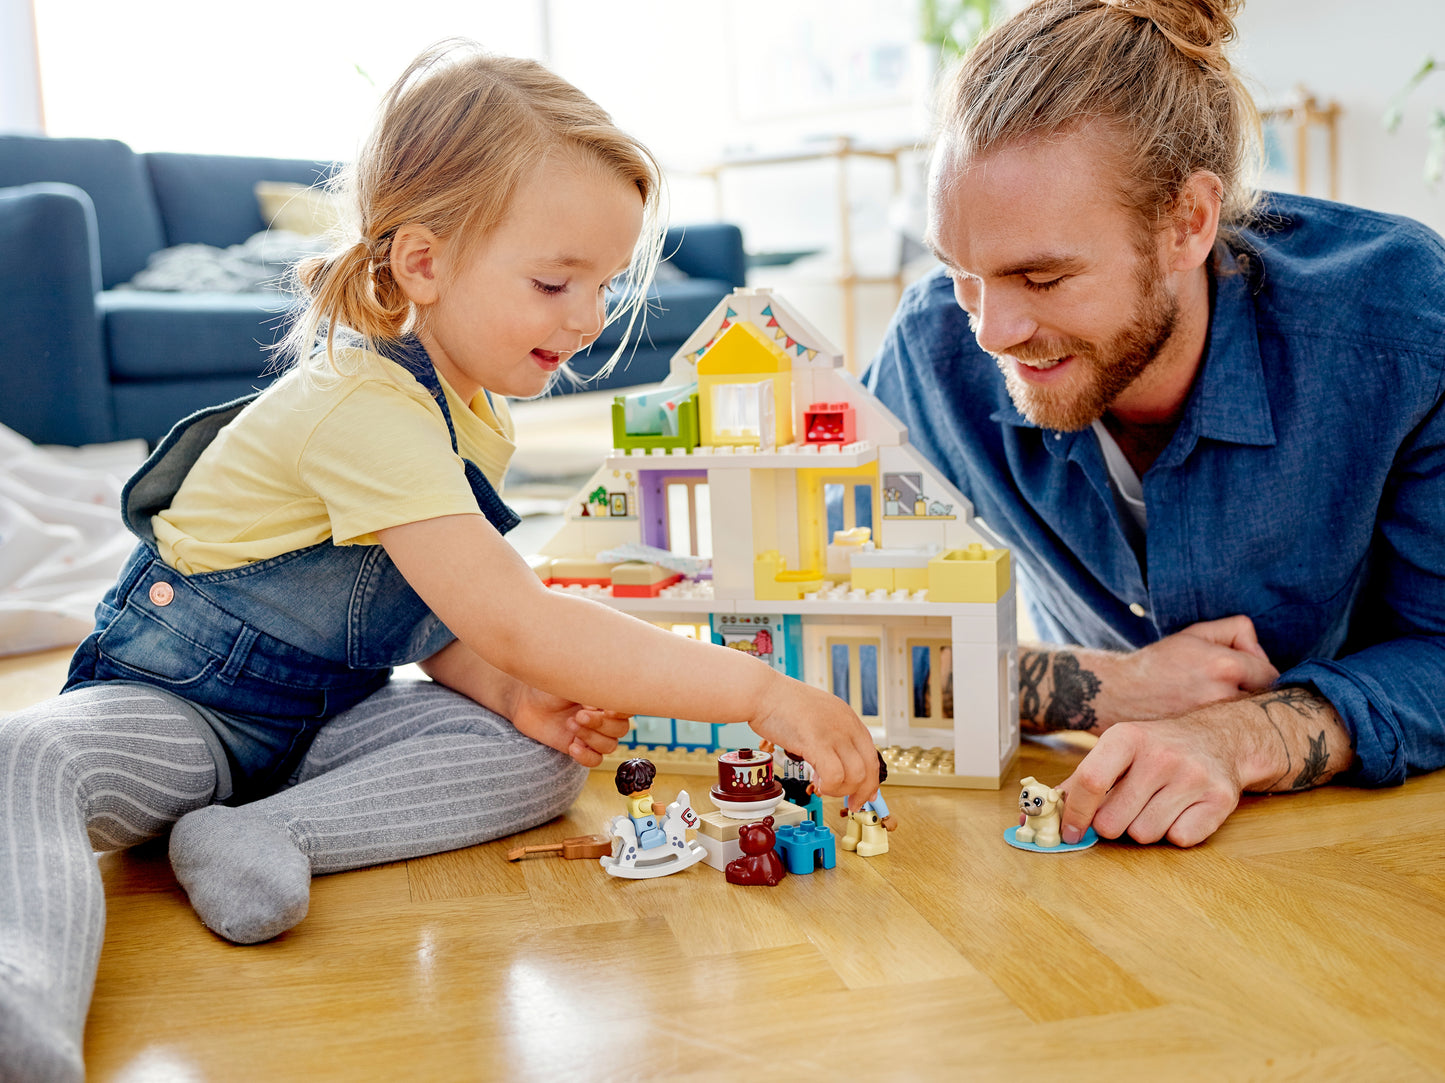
(211, 198)
(112, 175)
(175, 336)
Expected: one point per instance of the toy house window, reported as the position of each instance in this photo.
(738, 409)
(689, 517)
(849, 504)
(931, 679)
(853, 665)
(902, 494)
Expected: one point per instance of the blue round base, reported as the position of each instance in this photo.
(1011, 837)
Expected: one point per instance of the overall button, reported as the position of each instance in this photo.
(1137, 609)
(162, 593)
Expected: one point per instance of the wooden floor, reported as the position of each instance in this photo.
(1305, 941)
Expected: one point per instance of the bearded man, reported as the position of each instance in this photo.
(1208, 421)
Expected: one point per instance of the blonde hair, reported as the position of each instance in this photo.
(1152, 73)
(455, 136)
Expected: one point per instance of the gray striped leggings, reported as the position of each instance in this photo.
(414, 769)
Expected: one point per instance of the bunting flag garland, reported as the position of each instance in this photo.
(789, 343)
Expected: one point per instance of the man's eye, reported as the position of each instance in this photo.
(1040, 287)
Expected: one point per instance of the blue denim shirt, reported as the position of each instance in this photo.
(1304, 487)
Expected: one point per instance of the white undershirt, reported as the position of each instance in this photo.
(1126, 484)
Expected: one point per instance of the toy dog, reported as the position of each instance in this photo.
(1043, 808)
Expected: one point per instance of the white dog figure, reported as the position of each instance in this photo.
(1043, 808)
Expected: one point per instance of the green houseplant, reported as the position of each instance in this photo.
(1435, 148)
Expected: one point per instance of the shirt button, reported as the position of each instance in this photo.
(162, 593)
(1137, 609)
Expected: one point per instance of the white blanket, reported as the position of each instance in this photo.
(62, 542)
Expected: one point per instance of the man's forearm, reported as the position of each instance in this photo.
(1301, 741)
(1058, 690)
(1283, 739)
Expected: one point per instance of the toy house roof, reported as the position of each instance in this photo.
(800, 340)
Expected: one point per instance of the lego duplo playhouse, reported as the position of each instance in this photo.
(764, 499)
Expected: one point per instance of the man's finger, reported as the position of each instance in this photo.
(1088, 787)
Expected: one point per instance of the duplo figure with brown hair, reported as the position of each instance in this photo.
(1206, 419)
(294, 547)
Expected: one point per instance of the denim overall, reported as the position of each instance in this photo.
(270, 650)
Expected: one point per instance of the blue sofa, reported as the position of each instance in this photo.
(81, 361)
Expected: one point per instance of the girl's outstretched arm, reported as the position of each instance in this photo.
(584, 733)
(587, 652)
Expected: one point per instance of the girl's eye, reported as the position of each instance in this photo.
(549, 288)
(614, 285)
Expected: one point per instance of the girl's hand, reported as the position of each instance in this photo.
(584, 733)
(823, 729)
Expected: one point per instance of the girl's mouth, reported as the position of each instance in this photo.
(548, 359)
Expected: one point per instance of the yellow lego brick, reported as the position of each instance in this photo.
(874, 578)
(974, 574)
(910, 578)
(774, 583)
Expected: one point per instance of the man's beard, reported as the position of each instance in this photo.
(1102, 372)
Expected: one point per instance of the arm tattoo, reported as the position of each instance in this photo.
(1304, 704)
(1316, 760)
(1032, 667)
(1074, 689)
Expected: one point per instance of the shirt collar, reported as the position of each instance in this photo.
(1229, 401)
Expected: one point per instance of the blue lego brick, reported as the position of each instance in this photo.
(804, 846)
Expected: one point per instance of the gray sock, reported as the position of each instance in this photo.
(414, 769)
(241, 868)
(96, 769)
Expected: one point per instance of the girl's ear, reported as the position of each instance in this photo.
(416, 264)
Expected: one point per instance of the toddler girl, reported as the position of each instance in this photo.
(297, 545)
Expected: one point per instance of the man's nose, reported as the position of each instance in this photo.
(1000, 320)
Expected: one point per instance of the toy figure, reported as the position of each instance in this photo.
(634, 782)
(868, 827)
(1041, 810)
(796, 776)
(642, 849)
(760, 863)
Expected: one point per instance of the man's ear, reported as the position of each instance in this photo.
(1195, 221)
(416, 263)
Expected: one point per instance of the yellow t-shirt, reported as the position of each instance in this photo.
(336, 457)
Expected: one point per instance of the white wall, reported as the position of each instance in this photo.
(1358, 54)
(19, 76)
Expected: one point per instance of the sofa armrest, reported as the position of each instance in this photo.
(712, 250)
(54, 387)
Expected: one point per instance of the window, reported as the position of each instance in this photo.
(853, 677)
(930, 665)
(849, 504)
(689, 517)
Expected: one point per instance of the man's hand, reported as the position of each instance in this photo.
(1180, 778)
(1171, 778)
(1204, 663)
(1091, 690)
(584, 733)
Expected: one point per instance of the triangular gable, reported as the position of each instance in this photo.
(743, 349)
(771, 315)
